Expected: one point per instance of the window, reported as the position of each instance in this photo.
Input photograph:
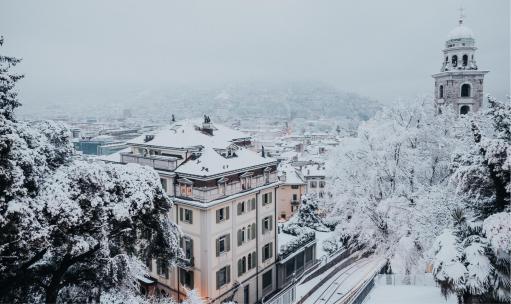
(223, 244)
(299, 261)
(186, 215)
(251, 231)
(241, 236)
(242, 266)
(441, 91)
(164, 184)
(267, 251)
(253, 204)
(162, 268)
(308, 254)
(465, 90)
(252, 260)
(290, 267)
(223, 276)
(446, 59)
(464, 110)
(267, 279)
(267, 224)
(283, 215)
(314, 184)
(187, 246)
(267, 197)
(246, 183)
(295, 186)
(454, 60)
(186, 278)
(241, 208)
(295, 197)
(465, 60)
(185, 189)
(222, 214)
(322, 184)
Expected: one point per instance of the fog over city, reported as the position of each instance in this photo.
(75, 52)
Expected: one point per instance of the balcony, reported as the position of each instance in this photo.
(212, 193)
(167, 163)
(295, 202)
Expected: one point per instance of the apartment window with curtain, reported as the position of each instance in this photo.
(267, 198)
(267, 223)
(267, 251)
(222, 214)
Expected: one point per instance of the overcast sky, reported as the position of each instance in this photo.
(381, 49)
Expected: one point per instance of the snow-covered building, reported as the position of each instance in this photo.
(289, 192)
(225, 204)
(460, 82)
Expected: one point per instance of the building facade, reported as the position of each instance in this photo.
(225, 204)
(460, 82)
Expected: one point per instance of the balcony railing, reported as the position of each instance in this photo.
(168, 163)
(207, 194)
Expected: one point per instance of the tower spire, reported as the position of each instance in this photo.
(462, 14)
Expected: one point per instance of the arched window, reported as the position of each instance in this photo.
(464, 110)
(441, 91)
(465, 60)
(465, 90)
(454, 60)
(446, 59)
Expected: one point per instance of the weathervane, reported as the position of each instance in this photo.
(462, 13)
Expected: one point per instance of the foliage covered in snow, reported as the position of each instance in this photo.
(72, 230)
(472, 260)
(390, 184)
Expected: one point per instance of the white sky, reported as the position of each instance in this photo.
(381, 49)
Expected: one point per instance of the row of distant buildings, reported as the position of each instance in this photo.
(228, 200)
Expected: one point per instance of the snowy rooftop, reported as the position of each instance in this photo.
(211, 162)
(186, 134)
(293, 177)
(460, 32)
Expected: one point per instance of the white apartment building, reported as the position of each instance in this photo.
(225, 203)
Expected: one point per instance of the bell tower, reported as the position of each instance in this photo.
(460, 82)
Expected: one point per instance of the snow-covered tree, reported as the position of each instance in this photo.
(70, 230)
(390, 184)
(472, 258)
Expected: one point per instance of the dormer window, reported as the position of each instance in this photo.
(185, 187)
(246, 180)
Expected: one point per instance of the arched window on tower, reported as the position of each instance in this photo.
(465, 60)
(441, 91)
(454, 60)
(465, 90)
(464, 109)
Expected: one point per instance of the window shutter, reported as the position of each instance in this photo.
(228, 274)
(191, 246)
(239, 268)
(239, 237)
(269, 197)
(239, 208)
(271, 223)
(191, 280)
(252, 204)
(227, 213)
(227, 242)
(271, 250)
(191, 216)
(218, 278)
(254, 259)
(217, 247)
(218, 216)
(254, 231)
(181, 214)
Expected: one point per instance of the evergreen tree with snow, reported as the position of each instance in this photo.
(472, 258)
(72, 231)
